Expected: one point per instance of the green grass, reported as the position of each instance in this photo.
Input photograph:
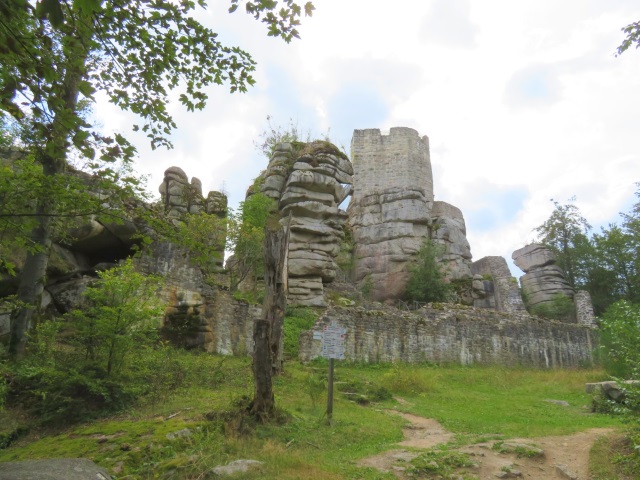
(472, 402)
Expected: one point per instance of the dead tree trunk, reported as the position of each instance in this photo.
(263, 405)
(276, 249)
(267, 354)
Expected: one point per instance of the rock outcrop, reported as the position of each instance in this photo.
(181, 197)
(390, 210)
(309, 183)
(449, 230)
(543, 279)
(494, 287)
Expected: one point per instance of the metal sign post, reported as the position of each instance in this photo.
(332, 338)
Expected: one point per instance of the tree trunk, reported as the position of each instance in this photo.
(53, 158)
(276, 249)
(263, 405)
(267, 336)
(31, 285)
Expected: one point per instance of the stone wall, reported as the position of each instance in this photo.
(455, 335)
(390, 209)
(584, 309)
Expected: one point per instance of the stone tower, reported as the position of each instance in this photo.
(390, 209)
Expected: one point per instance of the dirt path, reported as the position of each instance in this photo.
(561, 457)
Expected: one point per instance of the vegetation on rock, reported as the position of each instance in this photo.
(426, 283)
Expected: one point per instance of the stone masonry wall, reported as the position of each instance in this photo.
(455, 335)
(584, 309)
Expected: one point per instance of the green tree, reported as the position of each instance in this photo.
(123, 312)
(426, 282)
(632, 32)
(245, 237)
(565, 232)
(616, 251)
(56, 54)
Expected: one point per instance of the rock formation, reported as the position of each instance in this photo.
(543, 279)
(494, 287)
(309, 183)
(448, 229)
(180, 197)
(390, 210)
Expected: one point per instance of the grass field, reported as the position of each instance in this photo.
(200, 427)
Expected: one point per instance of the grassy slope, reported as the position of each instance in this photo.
(468, 401)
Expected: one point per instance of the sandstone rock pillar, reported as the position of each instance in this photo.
(309, 183)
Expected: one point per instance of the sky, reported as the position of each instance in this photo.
(522, 101)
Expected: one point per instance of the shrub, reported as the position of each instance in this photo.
(620, 346)
(83, 367)
(426, 282)
(620, 339)
(296, 321)
(561, 307)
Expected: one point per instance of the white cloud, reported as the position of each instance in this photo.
(515, 96)
(448, 24)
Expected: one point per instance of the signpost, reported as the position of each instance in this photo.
(332, 337)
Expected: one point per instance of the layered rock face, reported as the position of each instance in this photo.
(390, 210)
(494, 287)
(309, 183)
(190, 317)
(543, 279)
(449, 230)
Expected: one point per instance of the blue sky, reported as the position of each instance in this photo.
(522, 102)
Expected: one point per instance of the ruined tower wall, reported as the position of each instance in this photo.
(390, 210)
(395, 161)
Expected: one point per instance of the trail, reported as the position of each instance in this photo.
(563, 457)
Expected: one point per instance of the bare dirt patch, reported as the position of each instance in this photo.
(564, 456)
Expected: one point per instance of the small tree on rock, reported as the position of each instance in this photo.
(426, 282)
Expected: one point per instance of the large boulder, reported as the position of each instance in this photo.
(53, 469)
(543, 280)
(449, 230)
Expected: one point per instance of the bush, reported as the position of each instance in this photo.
(83, 367)
(296, 321)
(620, 340)
(426, 283)
(561, 307)
(620, 348)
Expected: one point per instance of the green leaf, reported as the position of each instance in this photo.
(89, 6)
(52, 10)
(86, 89)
